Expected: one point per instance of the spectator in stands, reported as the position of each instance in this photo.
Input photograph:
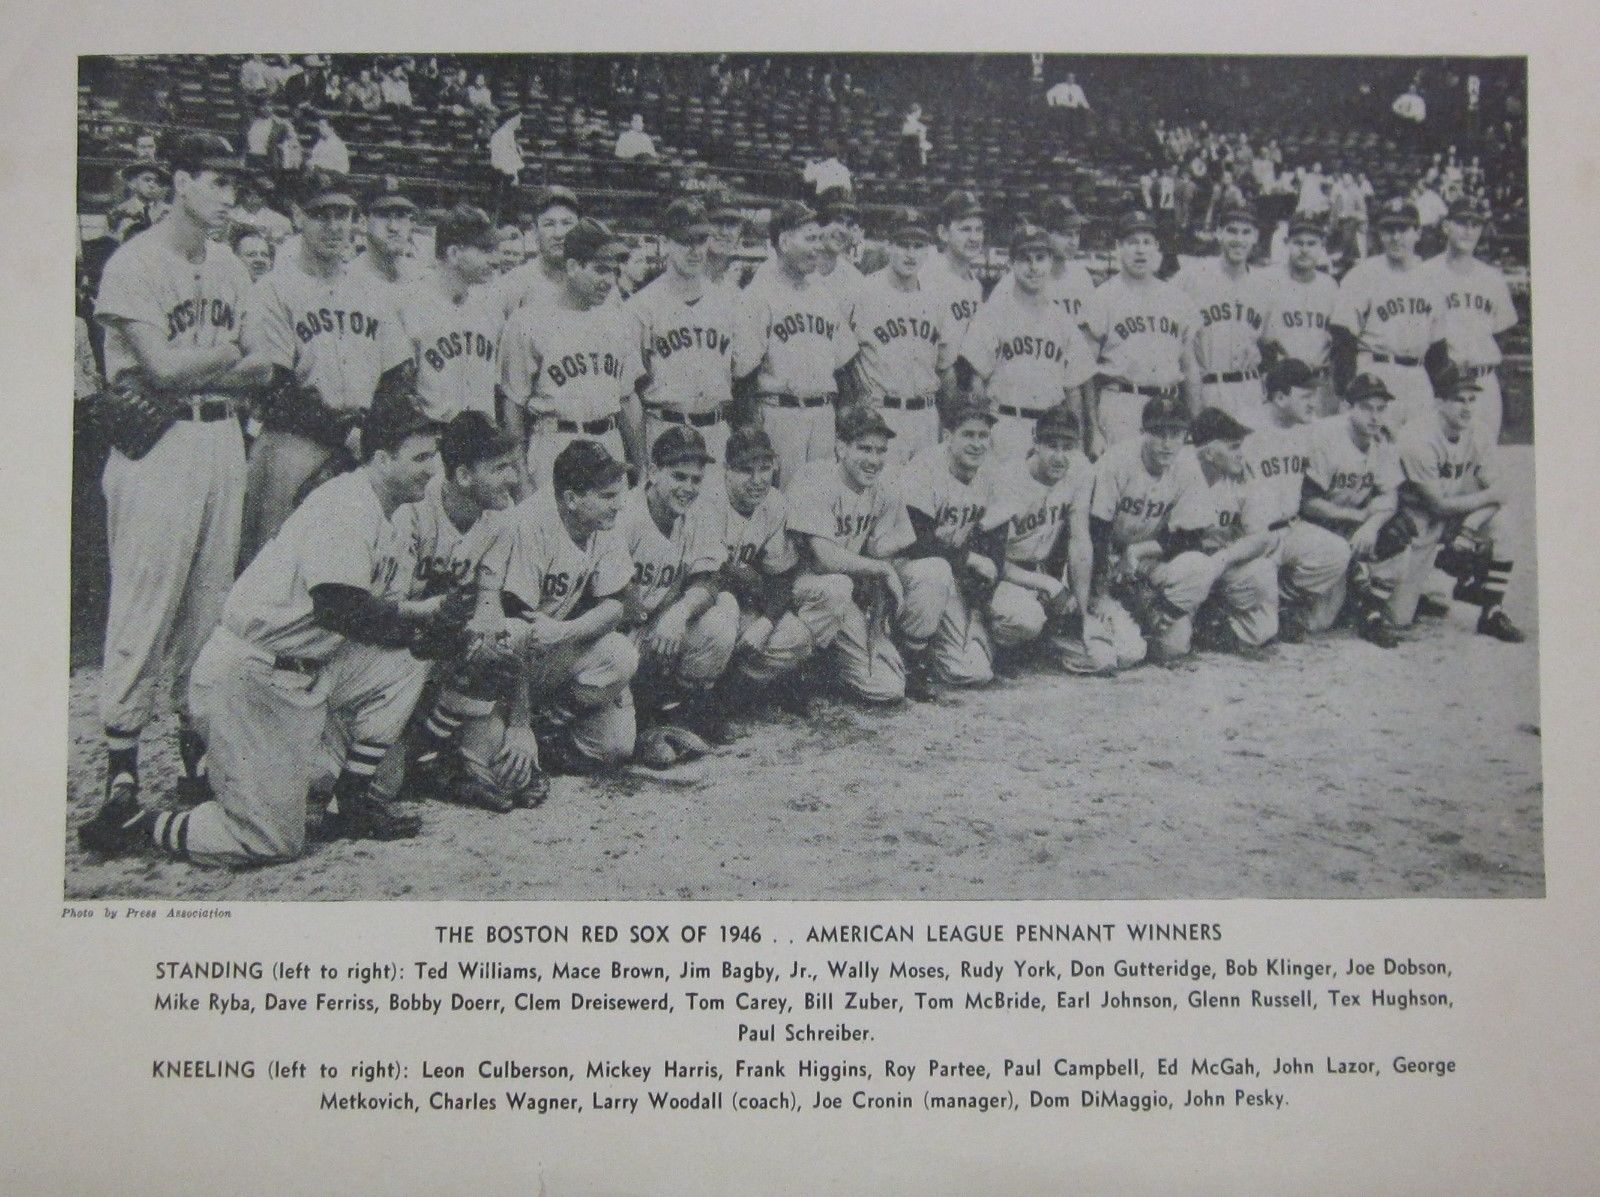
(505, 155)
(144, 148)
(255, 80)
(336, 91)
(509, 254)
(365, 93)
(479, 97)
(1184, 192)
(252, 212)
(395, 89)
(1313, 191)
(258, 138)
(1147, 190)
(330, 152)
(1410, 111)
(253, 249)
(1262, 169)
(914, 144)
(427, 82)
(1070, 104)
(1227, 195)
(288, 154)
(147, 198)
(1166, 186)
(634, 143)
(829, 174)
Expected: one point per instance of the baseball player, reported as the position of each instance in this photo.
(386, 256)
(727, 230)
(854, 525)
(1019, 347)
(556, 212)
(1386, 317)
(686, 327)
(797, 338)
(334, 341)
(173, 304)
(1351, 489)
(1311, 560)
(1300, 299)
(841, 236)
(1233, 304)
(1143, 329)
(552, 575)
(569, 365)
(1049, 558)
(1452, 494)
(1477, 309)
(1073, 288)
(450, 320)
(1212, 552)
(1137, 484)
(315, 631)
(899, 326)
(952, 275)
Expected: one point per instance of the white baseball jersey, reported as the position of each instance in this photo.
(687, 346)
(1277, 459)
(1023, 350)
(1390, 311)
(1142, 330)
(1040, 514)
(844, 281)
(761, 539)
(338, 536)
(1346, 475)
(899, 334)
(871, 522)
(194, 304)
(1476, 305)
(664, 562)
(435, 543)
(795, 334)
(1233, 315)
(961, 297)
(524, 283)
(1298, 314)
(1135, 502)
(529, 558)
(339, 335)
(1455, 467)
(575, 365)
(1219, 510)
(1073, 288)
(957, 508)
(454, 342)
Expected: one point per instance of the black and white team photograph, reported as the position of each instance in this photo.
(802, 476)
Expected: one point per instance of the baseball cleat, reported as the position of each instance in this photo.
(1377, 628)
(1292, 627)
(1498, 624)
(368, 820)
(121, 825)
(1429, 607)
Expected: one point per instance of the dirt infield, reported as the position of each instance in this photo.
(1333, 769)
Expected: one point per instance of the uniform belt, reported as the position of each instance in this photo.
(1397, 359)
(796, 401)
(1118, 384)
(592, 427)
(301, 665)
(915, 403)
(1479, 371)
(207, 411)
(1231, 376)
(694, 419)
(1032, 563)
(1280, 525)
(1021, 413)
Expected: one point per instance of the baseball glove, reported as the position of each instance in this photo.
(1396, 535)
(487, 669)
(744, 583)
(974, 587)
(133, 418)
(300, 409)
(444, 635)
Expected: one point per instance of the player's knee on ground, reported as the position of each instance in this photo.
(1170, 639)
(211, 834)
(928, 584)
(1015, 616)
(962, 652)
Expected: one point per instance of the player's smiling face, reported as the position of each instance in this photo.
(1456, 410)
(964, 238)
(328, 227)
(679, 483)
(592, 281)
(1367, 417)
(256, 255)
(1298, 404)
(476, 263)
(688, 256)
(596, 510)
(1032, 268)
(1140, 253)
(1064, 244)
(1227, 458)
(748, 483)
(1399, 241)
(1463, 235)
(725, 232)
(551, 228)
(969, 444)
(801, 248)
(1055, 456)
(413, 466)
(840, 236)
(391, 231)
(492, 484)
(1161, 446)
(1237, 238)
(863, 461)
(1304, 249)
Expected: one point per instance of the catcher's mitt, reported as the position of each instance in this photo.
(974, 587)
(133, 418)
(744, 583)
(444, 634)
(665, 745)
(1396, 535)
(487, 669)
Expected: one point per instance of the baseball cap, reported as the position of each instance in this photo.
(834, 203)
(685, 220)
(1305, 222)
(906, 225)
(1398, 210)
(1468, 208)
(385, 195)
(145, 167)
(859, 420)
(1214, 424)
(472, 438)
(1164, 411)
(466, 225)
(959, 205)
(1236, 212)
(1058, 423)
(1058, 214)
(1450, 379)
(395, 414)
(585, 466)
(319, 188)
(196, 152)
(1367, 386)
(791, 214)
(1137, 221)
(679, 444)
(721, 205)
(1027, 235)
(965, 408)
(748, 446)
(554, 196)
(586, 239)
(1289, 374)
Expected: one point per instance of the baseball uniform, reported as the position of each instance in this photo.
(1141, 331)
(796, 336)
(569, 371)
(1476, 306)
(1393, 312)
(1039, 517)
(688, 354)
(172, 517)
(525, 283)
(1248, 592)
(1072, 288)
(1022, 351)
(1311, 560)
(1364, 481)
(338, 335)
(961, 296)
(899, 335)
(454, 341)
(271, 678)
(1298, 316)
(1227, 342)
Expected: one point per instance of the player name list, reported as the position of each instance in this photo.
(621, 1019)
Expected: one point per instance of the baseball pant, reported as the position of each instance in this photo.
(913, 432)
(280, 465)
(818, 612)
(1489, 410)
(547, 441)
(707, 645)
(1416, 575)
(1245, 401)
(1121, 414)
(716, 435)
(1248, 593)
(879, 674)
(172, 525)
(1015, 615)
(264, 730)
(1413, 393)
(592, 677)
(799, 435)
(1111, 641)
(961, 652)
(1313, 565)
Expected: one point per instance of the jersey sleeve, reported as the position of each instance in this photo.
(269, 326)
(1319, 465)
(1350, 303)
(337, 548)
(1388, 475)
(613, 570)
(892, 533)
(776, 550)
(394, 346)
(1193, 508)
(128, 292)
(1505, 308)
(1418, 458)
(916, 489)
(811, 508)
(704, 551)
(844, 342)
(750, 331)
(1105, 489)
(519, 360)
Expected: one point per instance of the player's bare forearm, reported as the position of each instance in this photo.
(1325, 511)
(1031, 579)
(1342, 356)
(632, 418)
(831, 557)
(253, 373)
(694, 603)
(1450, 506)
(605, 616)
(1080, 567)
(179, 368)
(517, 424)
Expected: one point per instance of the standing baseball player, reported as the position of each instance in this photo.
(899, 326)
(952, 273)
(316, 630)
(1233, 304)
(1019, 347)
(556, 212)
(451, 321)
(334, 341)
(1300, 300)
(1143, 329)
(841, 235)
(1311, 560)
(854, 525)
(391, 219)
(727, 230)
(686, 327)
(797, 339)
(1073, 288)
(173, 304)
(1386, 317)
(1477, 309)
(568, 367)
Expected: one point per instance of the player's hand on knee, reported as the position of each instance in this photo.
(895, 588)
(519, 757)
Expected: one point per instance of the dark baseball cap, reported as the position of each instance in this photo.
(1241, 213)
(1214, 424)
(466, 225)
(678, 445)
(907, 225)
(1027, 235)
(835, 203)
(1139, 220)
(1367, 386)
(1468, 208)
(1164, 411)
(472, 438)
(1059, 215)
(959, 205)
(1057, 424)
(196, 152)
(585, 466)
(1450, 379)
(386, 195)
(789, 215)
(556, 196)
(721, 205)
(587, 239)
(395, 413)
(1398, 210)
(1289, 374)
(1305, 222)
(319, 188)
(747, 447)
(965, 408)
(685, 220)
(861, 420)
